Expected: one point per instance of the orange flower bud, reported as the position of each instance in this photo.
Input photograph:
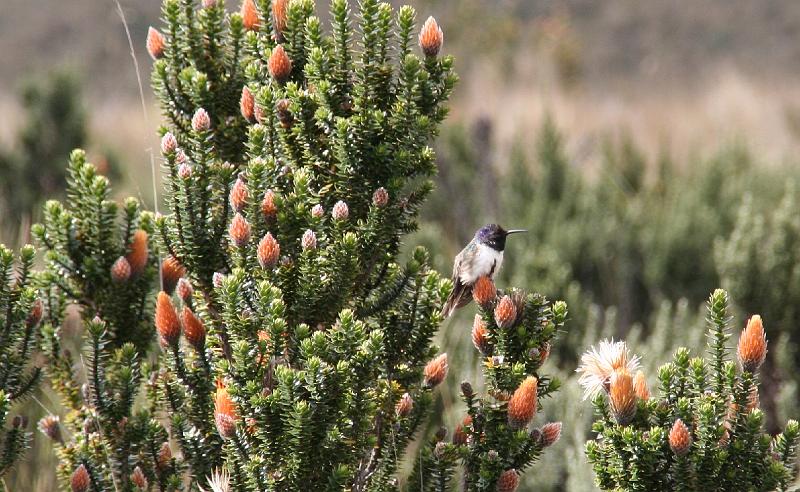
(505, 314)
(431, 37)
(168, 143)
(224, 412)
(185, 290)
(50, 426)
(435, 371)
(309, 240)
(247, 104)
(279, 10)
(484, 292)
(167, 323)
(249, 14)
(201, 121)
(268, 251)
(522, 405)
(622, 397)
(404, 406)
(193, 329)
(268, 207)
(239, 195)
(279, 64)
(137, 255)
(752, 348)
(37, 311)
(340, 211)
(508, 481)
(80, 481)
(139, 479)
(155, 43)
(171, 271)
(461, 432)
(120, 270)
(551, 433)
(480, 336)
(239, 230)
(680, 440)
(380, 198)
(164, 458)
(640, 386)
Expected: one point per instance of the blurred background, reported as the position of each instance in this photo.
(649, 147)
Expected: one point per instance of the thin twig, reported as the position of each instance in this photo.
(148, 148)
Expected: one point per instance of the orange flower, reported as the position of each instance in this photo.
(551, 433)
(239, 230)
(164, 458)
(279, 64)
(171, 271)
(404, 406)
(35, 316)
(268, 251)
(752, 348)
(80, 480)
(680, 440)
(224, 412)
(279, 8)
(380, 198)
(508, 481)
(120, 270)
(640, 386)
(600, 362)
(268, 207)
(460, 434)
(505, 314)
(622, 397)
(201, 121)
(193, 329)
(167, 323)
(522, 405)
(137, 255)
(309, 240)
(155, 43)
(479, 336)
(484, 292)
(185, 290)
(247, 104)
(249, 14)
(431, 37)
(435, 371)
(238, 195)
(139, 479)
(169, 144)
(50, 425)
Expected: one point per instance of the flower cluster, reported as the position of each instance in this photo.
(295, 161)
(497, 439)
(705, 429)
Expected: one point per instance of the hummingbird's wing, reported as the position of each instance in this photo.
(462, 293)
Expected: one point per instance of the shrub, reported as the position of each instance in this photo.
(704, 431)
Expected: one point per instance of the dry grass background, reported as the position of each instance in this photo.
(683, 77)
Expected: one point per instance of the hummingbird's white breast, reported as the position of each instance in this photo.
(484, 261)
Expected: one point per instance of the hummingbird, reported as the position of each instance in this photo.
(481, 257)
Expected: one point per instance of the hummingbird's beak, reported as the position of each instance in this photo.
(514, 231)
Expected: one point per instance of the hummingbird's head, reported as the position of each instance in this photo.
(495, 236)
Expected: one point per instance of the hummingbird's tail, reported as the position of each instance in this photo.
(459, 297)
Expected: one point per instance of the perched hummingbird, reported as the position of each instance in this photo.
(481, 257)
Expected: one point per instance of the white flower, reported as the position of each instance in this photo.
(598, 363)
(219, 481)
